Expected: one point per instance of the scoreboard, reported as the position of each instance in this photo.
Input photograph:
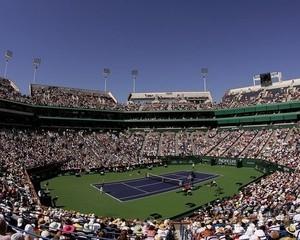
(266, 79)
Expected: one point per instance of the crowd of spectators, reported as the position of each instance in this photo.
(168, 144)
(240, 99)
(275, 95)
(155, 106)
(271, 206)
(260, 96)
(257, 144)
(69, 97)
(204, 142)
(151, 144)
(21, 216)
(85, 149)
(294, 94)
(34, 148)
(238, 147)
(73, 149)
(283, 148)
(185, 144)
(9, 92)
(226, 145)
(229, 100)
(269, 209)
(80, 98)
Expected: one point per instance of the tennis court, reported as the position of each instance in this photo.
(149, 185)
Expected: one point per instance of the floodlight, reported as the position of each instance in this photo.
(106, 73)
(36, 63)
(7, 55)
(204, 72)
(134, 74)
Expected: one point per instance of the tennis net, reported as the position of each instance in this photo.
(174, 181)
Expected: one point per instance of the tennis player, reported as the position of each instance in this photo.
(101, 188)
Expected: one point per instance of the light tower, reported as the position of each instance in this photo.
(106, 73)
(204, 72)
(36, 63)
(8, 55)
(134, 74)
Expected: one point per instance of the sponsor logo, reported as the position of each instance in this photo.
(231, 162)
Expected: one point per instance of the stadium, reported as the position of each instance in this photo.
(76, 163)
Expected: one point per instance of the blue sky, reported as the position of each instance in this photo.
(168, 41)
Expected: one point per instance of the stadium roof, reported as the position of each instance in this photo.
(281, 84)
(191, 96)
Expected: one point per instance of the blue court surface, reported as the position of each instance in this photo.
(139, 188)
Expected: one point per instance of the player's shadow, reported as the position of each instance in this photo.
(190, 205)
(219, 194)
(196, 187)
(155, 216)
(219, 191)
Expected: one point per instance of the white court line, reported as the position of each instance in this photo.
(149, 194)
(199, 179)
(107, 193)
(165, 190)
(143, 194)
(134, 180)
(204, 179)
(204, 173)
(140, 194)
(212, 174)
(134, 188)
(150, 184)
(181, 177)
(138, 188)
